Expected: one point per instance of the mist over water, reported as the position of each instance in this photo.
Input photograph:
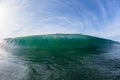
(60, 57)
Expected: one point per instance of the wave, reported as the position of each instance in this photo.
(59, 42)
(64, 56)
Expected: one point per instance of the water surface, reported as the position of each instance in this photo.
(59, 57)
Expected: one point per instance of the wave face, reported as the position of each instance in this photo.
(65, 56)
(58, 42)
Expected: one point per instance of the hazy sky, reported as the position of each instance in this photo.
(32, 17)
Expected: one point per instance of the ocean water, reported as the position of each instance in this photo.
(59, 57)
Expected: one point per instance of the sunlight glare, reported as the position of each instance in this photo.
(5, 15)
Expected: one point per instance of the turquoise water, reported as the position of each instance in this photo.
(59, 57)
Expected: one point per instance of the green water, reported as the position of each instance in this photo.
(59, 57)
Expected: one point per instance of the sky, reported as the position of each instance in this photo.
(99, 18)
